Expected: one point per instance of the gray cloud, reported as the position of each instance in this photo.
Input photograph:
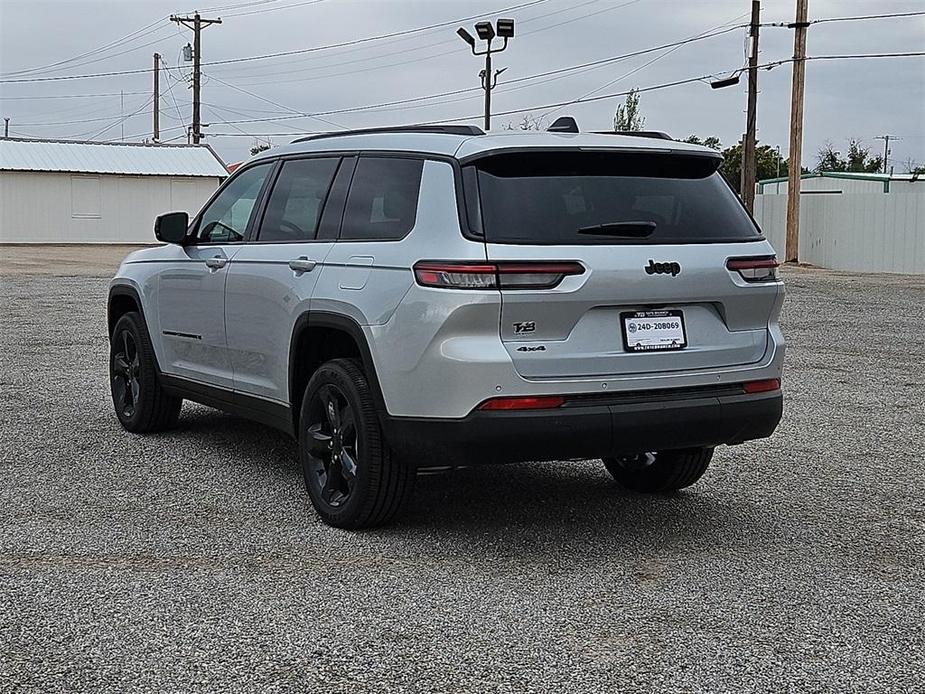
(861, 98)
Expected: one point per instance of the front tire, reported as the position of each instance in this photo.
(141, 404)
(353, 479)
(661, 471)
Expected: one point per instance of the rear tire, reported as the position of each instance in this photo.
(353, 479)
(141, 404)
(661, 471)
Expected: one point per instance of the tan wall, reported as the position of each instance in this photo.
(38, 207)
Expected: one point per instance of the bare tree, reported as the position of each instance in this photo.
(528, 122)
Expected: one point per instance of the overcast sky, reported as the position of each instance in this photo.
(844, 98)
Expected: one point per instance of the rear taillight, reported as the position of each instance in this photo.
(762, 269)
(764, 386)
(528, 402)
(504, 275)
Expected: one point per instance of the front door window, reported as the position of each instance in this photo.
(225, 220)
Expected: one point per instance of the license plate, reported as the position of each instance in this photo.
(653, 331)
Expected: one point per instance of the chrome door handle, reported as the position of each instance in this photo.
(302, 264)
(216, 263)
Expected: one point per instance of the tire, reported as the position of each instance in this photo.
(140, 402)
(661, 471)
(353, 479)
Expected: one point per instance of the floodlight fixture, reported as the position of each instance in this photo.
(466, 36)
(727, 82)
(505, 28)
(485, 31)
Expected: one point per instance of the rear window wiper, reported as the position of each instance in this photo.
(630, 229)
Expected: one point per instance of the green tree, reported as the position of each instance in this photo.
(628, 116)
(768, 163)
(858, 160)
(711, 142)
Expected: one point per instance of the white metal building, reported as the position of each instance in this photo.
(846, 182)
(851, 221)
(60, 191)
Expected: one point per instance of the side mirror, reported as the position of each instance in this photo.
(171, 227)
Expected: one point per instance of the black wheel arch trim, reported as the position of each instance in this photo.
(123, 290)
(337, 321)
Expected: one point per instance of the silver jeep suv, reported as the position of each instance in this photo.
(434, 296)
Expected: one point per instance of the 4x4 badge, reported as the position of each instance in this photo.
(654, 268)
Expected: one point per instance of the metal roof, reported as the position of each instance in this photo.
(464, 146)
(136, 159)
(854, 175)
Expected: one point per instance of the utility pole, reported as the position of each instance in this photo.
(794, 165)
(196, 23)
(886, 148)
(6, 127)
(749, 167)
(157, 97)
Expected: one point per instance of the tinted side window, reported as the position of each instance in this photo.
(383, 198)
(296, 201)
(225, 220)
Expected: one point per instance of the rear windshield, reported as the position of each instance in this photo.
(603, 198)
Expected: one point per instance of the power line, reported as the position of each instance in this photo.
(548, 73)
(300, 51)
(401, 102)
(144, 31)
(274, 9)
(405, 51)
(907, 54)
(70, 96)
(704, 34)
(825, 20)
(170, 91)
(275, 103)
(117, 122)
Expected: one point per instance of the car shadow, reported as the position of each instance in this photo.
(523, 507)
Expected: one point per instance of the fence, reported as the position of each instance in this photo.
(861, 232)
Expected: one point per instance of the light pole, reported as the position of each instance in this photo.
(486, 32)
(777, 147)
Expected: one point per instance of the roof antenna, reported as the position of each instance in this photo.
(563, 124)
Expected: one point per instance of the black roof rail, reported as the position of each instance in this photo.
(655, 134)
(445, 129)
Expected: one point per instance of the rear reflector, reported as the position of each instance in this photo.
(541, 402)
(762, 386)
(504, 275)
(761, 269)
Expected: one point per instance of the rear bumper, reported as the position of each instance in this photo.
(590, 429)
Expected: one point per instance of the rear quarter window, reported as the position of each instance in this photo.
(603, 198)
(383, 199)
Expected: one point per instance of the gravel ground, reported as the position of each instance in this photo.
(190, 561)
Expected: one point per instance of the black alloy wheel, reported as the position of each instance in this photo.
(141, 404)
(333, 446)
(353, 478)
(125, 372)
